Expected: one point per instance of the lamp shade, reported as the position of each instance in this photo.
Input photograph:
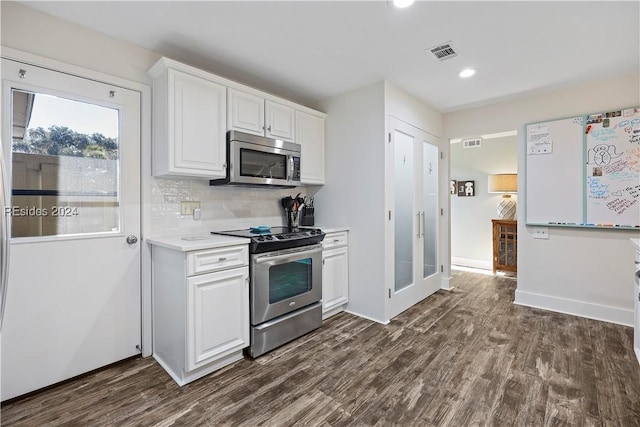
(503, 183)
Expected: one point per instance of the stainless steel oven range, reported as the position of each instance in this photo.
(286, 284)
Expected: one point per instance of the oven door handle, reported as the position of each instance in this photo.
(286, 257)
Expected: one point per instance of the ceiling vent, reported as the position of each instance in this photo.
(471, 143)
(444, 51)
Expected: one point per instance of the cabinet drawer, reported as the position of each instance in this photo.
(209, 260)
(334, 240)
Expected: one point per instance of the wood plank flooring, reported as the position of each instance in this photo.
(459, 358)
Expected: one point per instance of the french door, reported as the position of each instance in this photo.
(72, 153)
(415, 215)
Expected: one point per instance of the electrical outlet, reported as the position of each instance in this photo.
(540, 232)
(187, 207)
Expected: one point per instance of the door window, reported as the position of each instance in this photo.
(404, 210)
(430, 208)
(289, 280)
(262, 165)
(64, 156)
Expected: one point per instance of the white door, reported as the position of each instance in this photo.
(415, 219)
(72, 148)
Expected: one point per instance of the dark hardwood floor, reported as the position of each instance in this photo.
(459, 358)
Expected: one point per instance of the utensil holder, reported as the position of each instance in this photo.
(307, 216)
(292, 220)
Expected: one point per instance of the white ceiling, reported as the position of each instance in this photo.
(308, 51)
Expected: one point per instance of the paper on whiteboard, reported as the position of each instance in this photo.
(541, 147)
(538, 141)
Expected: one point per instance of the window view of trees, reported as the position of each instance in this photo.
(62, 141)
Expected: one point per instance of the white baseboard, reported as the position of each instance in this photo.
(637, 350)
(589, 310)
(472, 262)
(445, 284)
(367, 317)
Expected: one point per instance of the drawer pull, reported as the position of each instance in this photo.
(222, 259)
(336, 240)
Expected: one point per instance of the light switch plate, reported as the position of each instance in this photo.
(540, 232)
(187, 207)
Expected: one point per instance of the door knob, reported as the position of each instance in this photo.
(131, 239)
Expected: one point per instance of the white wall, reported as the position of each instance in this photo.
(222, 208)
(353, 193)
(471, 235)
(579, 271)
(36, 33)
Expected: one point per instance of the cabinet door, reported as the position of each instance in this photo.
(218, 315)
(246, 112)
(335, 278)
(197, 111)
(310, 135)
(280, 121)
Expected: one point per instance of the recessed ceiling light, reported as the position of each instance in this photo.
(467, 72)
(402, 3)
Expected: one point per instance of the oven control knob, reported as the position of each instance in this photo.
(261, 238)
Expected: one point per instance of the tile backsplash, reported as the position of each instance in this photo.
(223, 208)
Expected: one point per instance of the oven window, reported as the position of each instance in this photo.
(259, 164)
(289, 280)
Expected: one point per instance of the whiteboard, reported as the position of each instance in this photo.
(554, 191)
(613, 168)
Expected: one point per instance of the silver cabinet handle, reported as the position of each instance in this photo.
(131, 239)
(222, 259)
(269, 128)
(418, 235)
(422, 224)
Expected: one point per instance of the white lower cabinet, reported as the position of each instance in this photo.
(217, 323)
(335, 273)
(200, 316)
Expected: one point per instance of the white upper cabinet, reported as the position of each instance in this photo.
(310, 135)
(189, 122)
(258, 116)
(194, 109)
(246, 112)
(280, 121)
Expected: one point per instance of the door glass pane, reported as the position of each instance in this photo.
(430, 203)
(403, 207)
(262, 165)
(290, 279)
(64, 166)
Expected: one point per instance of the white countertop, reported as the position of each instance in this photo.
(331, 228)
(197, 242)
(636, 242)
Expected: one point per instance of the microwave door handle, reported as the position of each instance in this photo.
(290, 173)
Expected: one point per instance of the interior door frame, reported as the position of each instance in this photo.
(145, 165)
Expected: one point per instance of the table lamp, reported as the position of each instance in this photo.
(505, 183)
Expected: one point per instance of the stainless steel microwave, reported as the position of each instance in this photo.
(258, 161)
